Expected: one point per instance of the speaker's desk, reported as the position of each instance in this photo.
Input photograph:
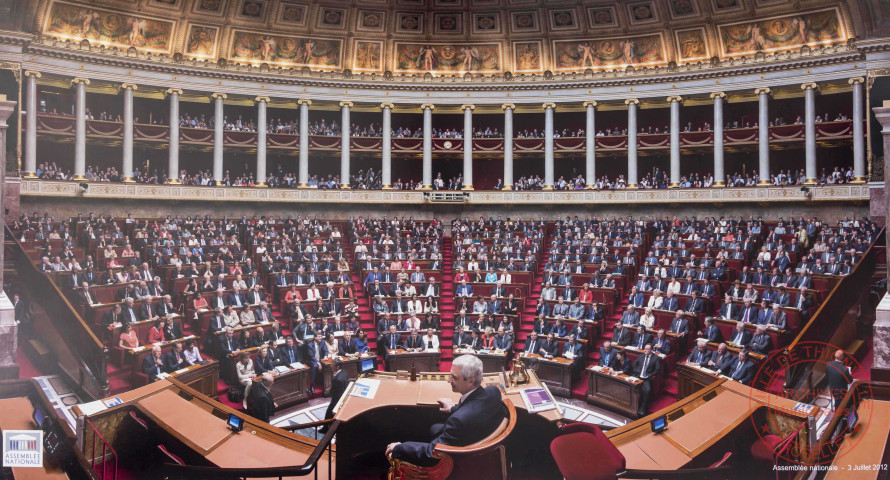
(725, 410)
(402, 410)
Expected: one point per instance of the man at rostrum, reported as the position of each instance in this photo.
(338, 386)
(262, 406)
(477, 414)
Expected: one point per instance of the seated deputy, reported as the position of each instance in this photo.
(476, 415)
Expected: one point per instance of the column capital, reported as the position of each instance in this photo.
(675, 98)
(173, 91)
(591, 103)
(32, 73)
(427, 106)
(715, 95)
(508, 106)
(852, 81)
(387, 105)
(304, 101)
(80, 80)
(216, 95)
(547, 105)
(262, 99)
(129, 86)
(346, 103)
(762, 91)
(469, 106)
(809, 86)
(631, 101)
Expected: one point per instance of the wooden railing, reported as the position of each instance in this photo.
(88, 370)
(829, 318)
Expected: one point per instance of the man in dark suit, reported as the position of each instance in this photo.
(347, 344)
(175, 358)
(316, 351)
(641, 338)
(661, 343)
(153, 365)
(262, 406)
(645, 368)
(290, 352)
(112, 316)
(700, 355)
(803, 302)
(531, 343)
(740, 336)
(839, 378)
(719, 358)
(711, 331)
(476, 416)
(741, 369)
(338, 387)
(607, 355)
(760, 341)
(550, 348)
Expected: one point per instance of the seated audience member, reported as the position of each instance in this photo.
(153, 365)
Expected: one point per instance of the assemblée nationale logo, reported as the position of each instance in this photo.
(22, 448)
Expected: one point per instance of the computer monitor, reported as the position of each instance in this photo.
(38, 417)
(368, 365)
(235, 423)
(659, 424)
(852, 418)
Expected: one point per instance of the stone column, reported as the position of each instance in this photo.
(468, 146)
(632, 106)
(590, 146)
(763, 94)
(80, 127)
(345, 134)
(386, 167)
(173, 152)
(859, 171)
(810, 89)
(262, 103)
(8, 327)
(31, 126)
(548, 145)
(675, 101)
(427, 183)
(218, 125)
(304, 143)
(508, 145)
(127, 170)
(881, 327)
(719, 175)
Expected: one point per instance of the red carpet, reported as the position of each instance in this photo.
(26, 368)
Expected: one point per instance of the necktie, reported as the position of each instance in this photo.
(745, 318)
(89, 299)
(641, 342)
(148, 309)
(644, 373)
(317, 355)
(737, 369)
(392, 342)
(291, 354)
(800, 302)
(264, 317)
(699, 356)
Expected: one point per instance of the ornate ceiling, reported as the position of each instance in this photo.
(450, 37)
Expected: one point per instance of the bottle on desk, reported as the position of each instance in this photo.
(413, 372)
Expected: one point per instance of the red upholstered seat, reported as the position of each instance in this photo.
(142, 423)
(572, 452)
(169, 456)
(764, 449)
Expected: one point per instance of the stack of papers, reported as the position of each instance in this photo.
(537, 400)
(365, 388)
(297, 365)
(282, 369)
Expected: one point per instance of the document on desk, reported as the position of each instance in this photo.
(365, 388)
(537, 400)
